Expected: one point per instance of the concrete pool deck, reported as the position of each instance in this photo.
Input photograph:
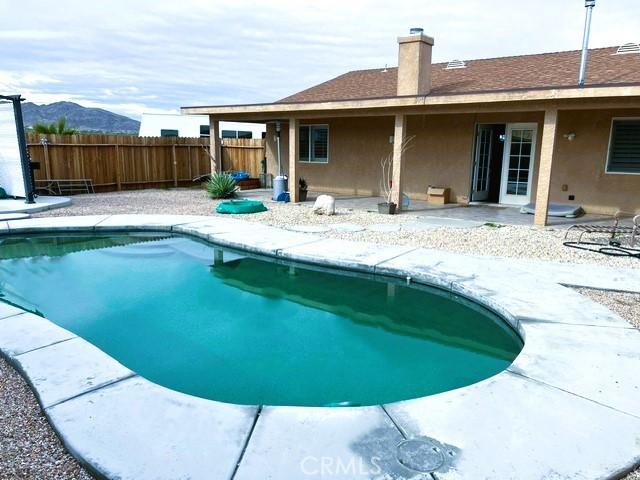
(41, 204)
(566, 408)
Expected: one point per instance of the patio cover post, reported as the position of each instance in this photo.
(214, 142)
(294, 146)
(399, 135)
(546, 163)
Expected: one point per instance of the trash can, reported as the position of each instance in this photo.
(279, 186)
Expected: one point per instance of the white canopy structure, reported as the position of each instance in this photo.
(15, 172)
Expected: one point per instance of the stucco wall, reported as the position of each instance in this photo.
(356, 146)
(580, 164)
(441, 154)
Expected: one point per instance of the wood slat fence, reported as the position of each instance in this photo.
(121, 162)
(245, 154)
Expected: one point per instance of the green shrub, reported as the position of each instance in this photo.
(222, 185)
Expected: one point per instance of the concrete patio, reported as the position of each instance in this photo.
(430, 213)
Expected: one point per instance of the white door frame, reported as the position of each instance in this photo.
(510, 199)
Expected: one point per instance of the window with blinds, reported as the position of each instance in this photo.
(314, 143)
(624, 146)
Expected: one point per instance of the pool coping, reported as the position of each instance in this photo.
(568, 398)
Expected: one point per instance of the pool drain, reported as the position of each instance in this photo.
(420, 454)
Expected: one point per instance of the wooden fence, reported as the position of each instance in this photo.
(245, 154)
(118, 162)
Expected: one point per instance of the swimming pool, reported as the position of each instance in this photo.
(232, 327)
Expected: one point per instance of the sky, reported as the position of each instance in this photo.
(139, 56)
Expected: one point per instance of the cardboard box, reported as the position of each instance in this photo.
(438, 195)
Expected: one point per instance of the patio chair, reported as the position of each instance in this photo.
(621, 240)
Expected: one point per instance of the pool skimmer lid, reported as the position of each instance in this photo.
(420, 454)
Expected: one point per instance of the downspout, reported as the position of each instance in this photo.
(589, 4)
(278, 148)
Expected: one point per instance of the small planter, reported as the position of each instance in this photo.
(387, 208)
(302, 195)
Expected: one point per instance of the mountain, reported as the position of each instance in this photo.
(79, 117)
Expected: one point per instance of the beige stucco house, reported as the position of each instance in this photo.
(506, 130)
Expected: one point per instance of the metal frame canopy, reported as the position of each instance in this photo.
(22, 145)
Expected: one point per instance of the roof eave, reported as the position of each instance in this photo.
(548, 94)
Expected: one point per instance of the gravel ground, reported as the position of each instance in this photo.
(627, 305)
(30, 449)
(506, 241)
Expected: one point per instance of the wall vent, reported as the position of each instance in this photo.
(456, 64)
(628, 48)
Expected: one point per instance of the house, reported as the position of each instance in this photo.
(174, 125)
(502, 130)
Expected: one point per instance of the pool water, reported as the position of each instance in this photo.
(231, 327)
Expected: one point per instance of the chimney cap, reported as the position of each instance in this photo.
(416, 35)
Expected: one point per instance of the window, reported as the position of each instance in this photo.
(168, 133)
(236, 134)
(314, 143)
(229, 134)
(624, 146)
(204, 130)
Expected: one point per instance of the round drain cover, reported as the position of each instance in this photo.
(420, 454)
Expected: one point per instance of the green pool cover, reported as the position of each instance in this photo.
(241, 206)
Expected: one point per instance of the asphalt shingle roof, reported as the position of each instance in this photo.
(526, 72)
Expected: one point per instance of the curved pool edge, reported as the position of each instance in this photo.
(568, 398)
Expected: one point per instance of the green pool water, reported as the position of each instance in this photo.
(231, 327)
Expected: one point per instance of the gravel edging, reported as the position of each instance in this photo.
(28, 446)
(627, 305)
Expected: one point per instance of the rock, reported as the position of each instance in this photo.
(325, 205)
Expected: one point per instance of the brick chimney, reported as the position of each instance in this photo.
(414, 63)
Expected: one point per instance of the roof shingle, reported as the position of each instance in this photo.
(526, 72)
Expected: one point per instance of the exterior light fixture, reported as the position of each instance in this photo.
(570, 136)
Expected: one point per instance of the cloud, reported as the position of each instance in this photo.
(31, 35)
(148, 55)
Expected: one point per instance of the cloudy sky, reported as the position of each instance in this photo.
(139, 56)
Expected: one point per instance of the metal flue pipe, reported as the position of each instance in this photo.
(278, 148)
(589, 4)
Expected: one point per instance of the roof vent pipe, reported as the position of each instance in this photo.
(589, 4)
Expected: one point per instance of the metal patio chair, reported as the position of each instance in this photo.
(619, 240)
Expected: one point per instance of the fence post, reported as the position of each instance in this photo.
(175, 165)
(47, 165)
(118, 172)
